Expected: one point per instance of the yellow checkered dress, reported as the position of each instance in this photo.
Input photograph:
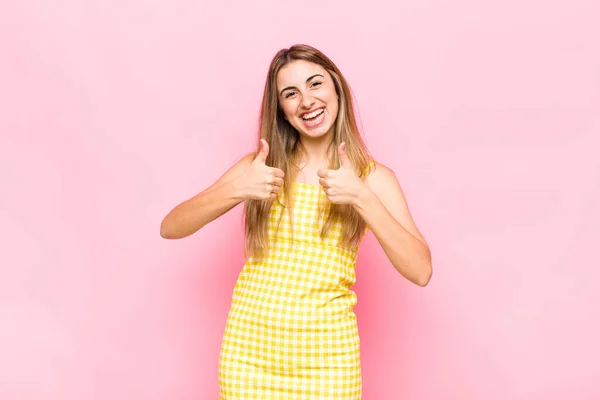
(291, 332)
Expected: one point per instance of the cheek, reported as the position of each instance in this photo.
(332, 96)
(333, 103)
(287, 108)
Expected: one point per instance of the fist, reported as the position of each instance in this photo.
(342, 186)
(261, 182)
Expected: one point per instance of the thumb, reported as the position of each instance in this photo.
(264, 151)
(344, 160)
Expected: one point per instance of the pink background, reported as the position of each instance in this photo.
(113, 112)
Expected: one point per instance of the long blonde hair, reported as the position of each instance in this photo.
(285, 147)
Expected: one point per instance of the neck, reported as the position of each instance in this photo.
(315, 150)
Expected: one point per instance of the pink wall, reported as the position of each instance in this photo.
(113, 112)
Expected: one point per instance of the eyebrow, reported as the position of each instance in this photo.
(308, 80)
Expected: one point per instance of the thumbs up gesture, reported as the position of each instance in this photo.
(342, 186)
(261, 182)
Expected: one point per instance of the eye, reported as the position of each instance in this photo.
(315, 84)
(289, 94)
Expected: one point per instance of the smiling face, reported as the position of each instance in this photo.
(308, 98)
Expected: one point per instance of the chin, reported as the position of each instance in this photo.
(316, 132)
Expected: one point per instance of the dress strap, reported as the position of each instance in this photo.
(365, 173)
(368, 168)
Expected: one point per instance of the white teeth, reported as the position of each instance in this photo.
(315, 121)
(313, 114)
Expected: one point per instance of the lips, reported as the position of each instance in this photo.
(313, 114)
(317, 120)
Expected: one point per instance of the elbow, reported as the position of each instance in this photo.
(164, 232)
(167, 231)
(426, 271)
(420, 276)
(173, 229)
(165, 235)
(423, 280)
(418, 271)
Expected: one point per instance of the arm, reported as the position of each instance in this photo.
(249, 178)
(383, 206)
(191, 215)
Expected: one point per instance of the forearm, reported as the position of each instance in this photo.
(191, 215)
(409, 255)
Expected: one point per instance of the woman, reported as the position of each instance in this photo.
(310, 191)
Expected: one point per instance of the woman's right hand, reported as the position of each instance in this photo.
(261, 182)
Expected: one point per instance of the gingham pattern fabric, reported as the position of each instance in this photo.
(291, 332)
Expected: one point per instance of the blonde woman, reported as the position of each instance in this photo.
(310, 191)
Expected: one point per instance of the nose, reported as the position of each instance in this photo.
(307, 101)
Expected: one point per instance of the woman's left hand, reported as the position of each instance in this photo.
(342, 186)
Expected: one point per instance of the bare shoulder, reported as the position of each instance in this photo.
(246, 160)
(240, 166)
(384, 184)
(381, 177)
(236, 170)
